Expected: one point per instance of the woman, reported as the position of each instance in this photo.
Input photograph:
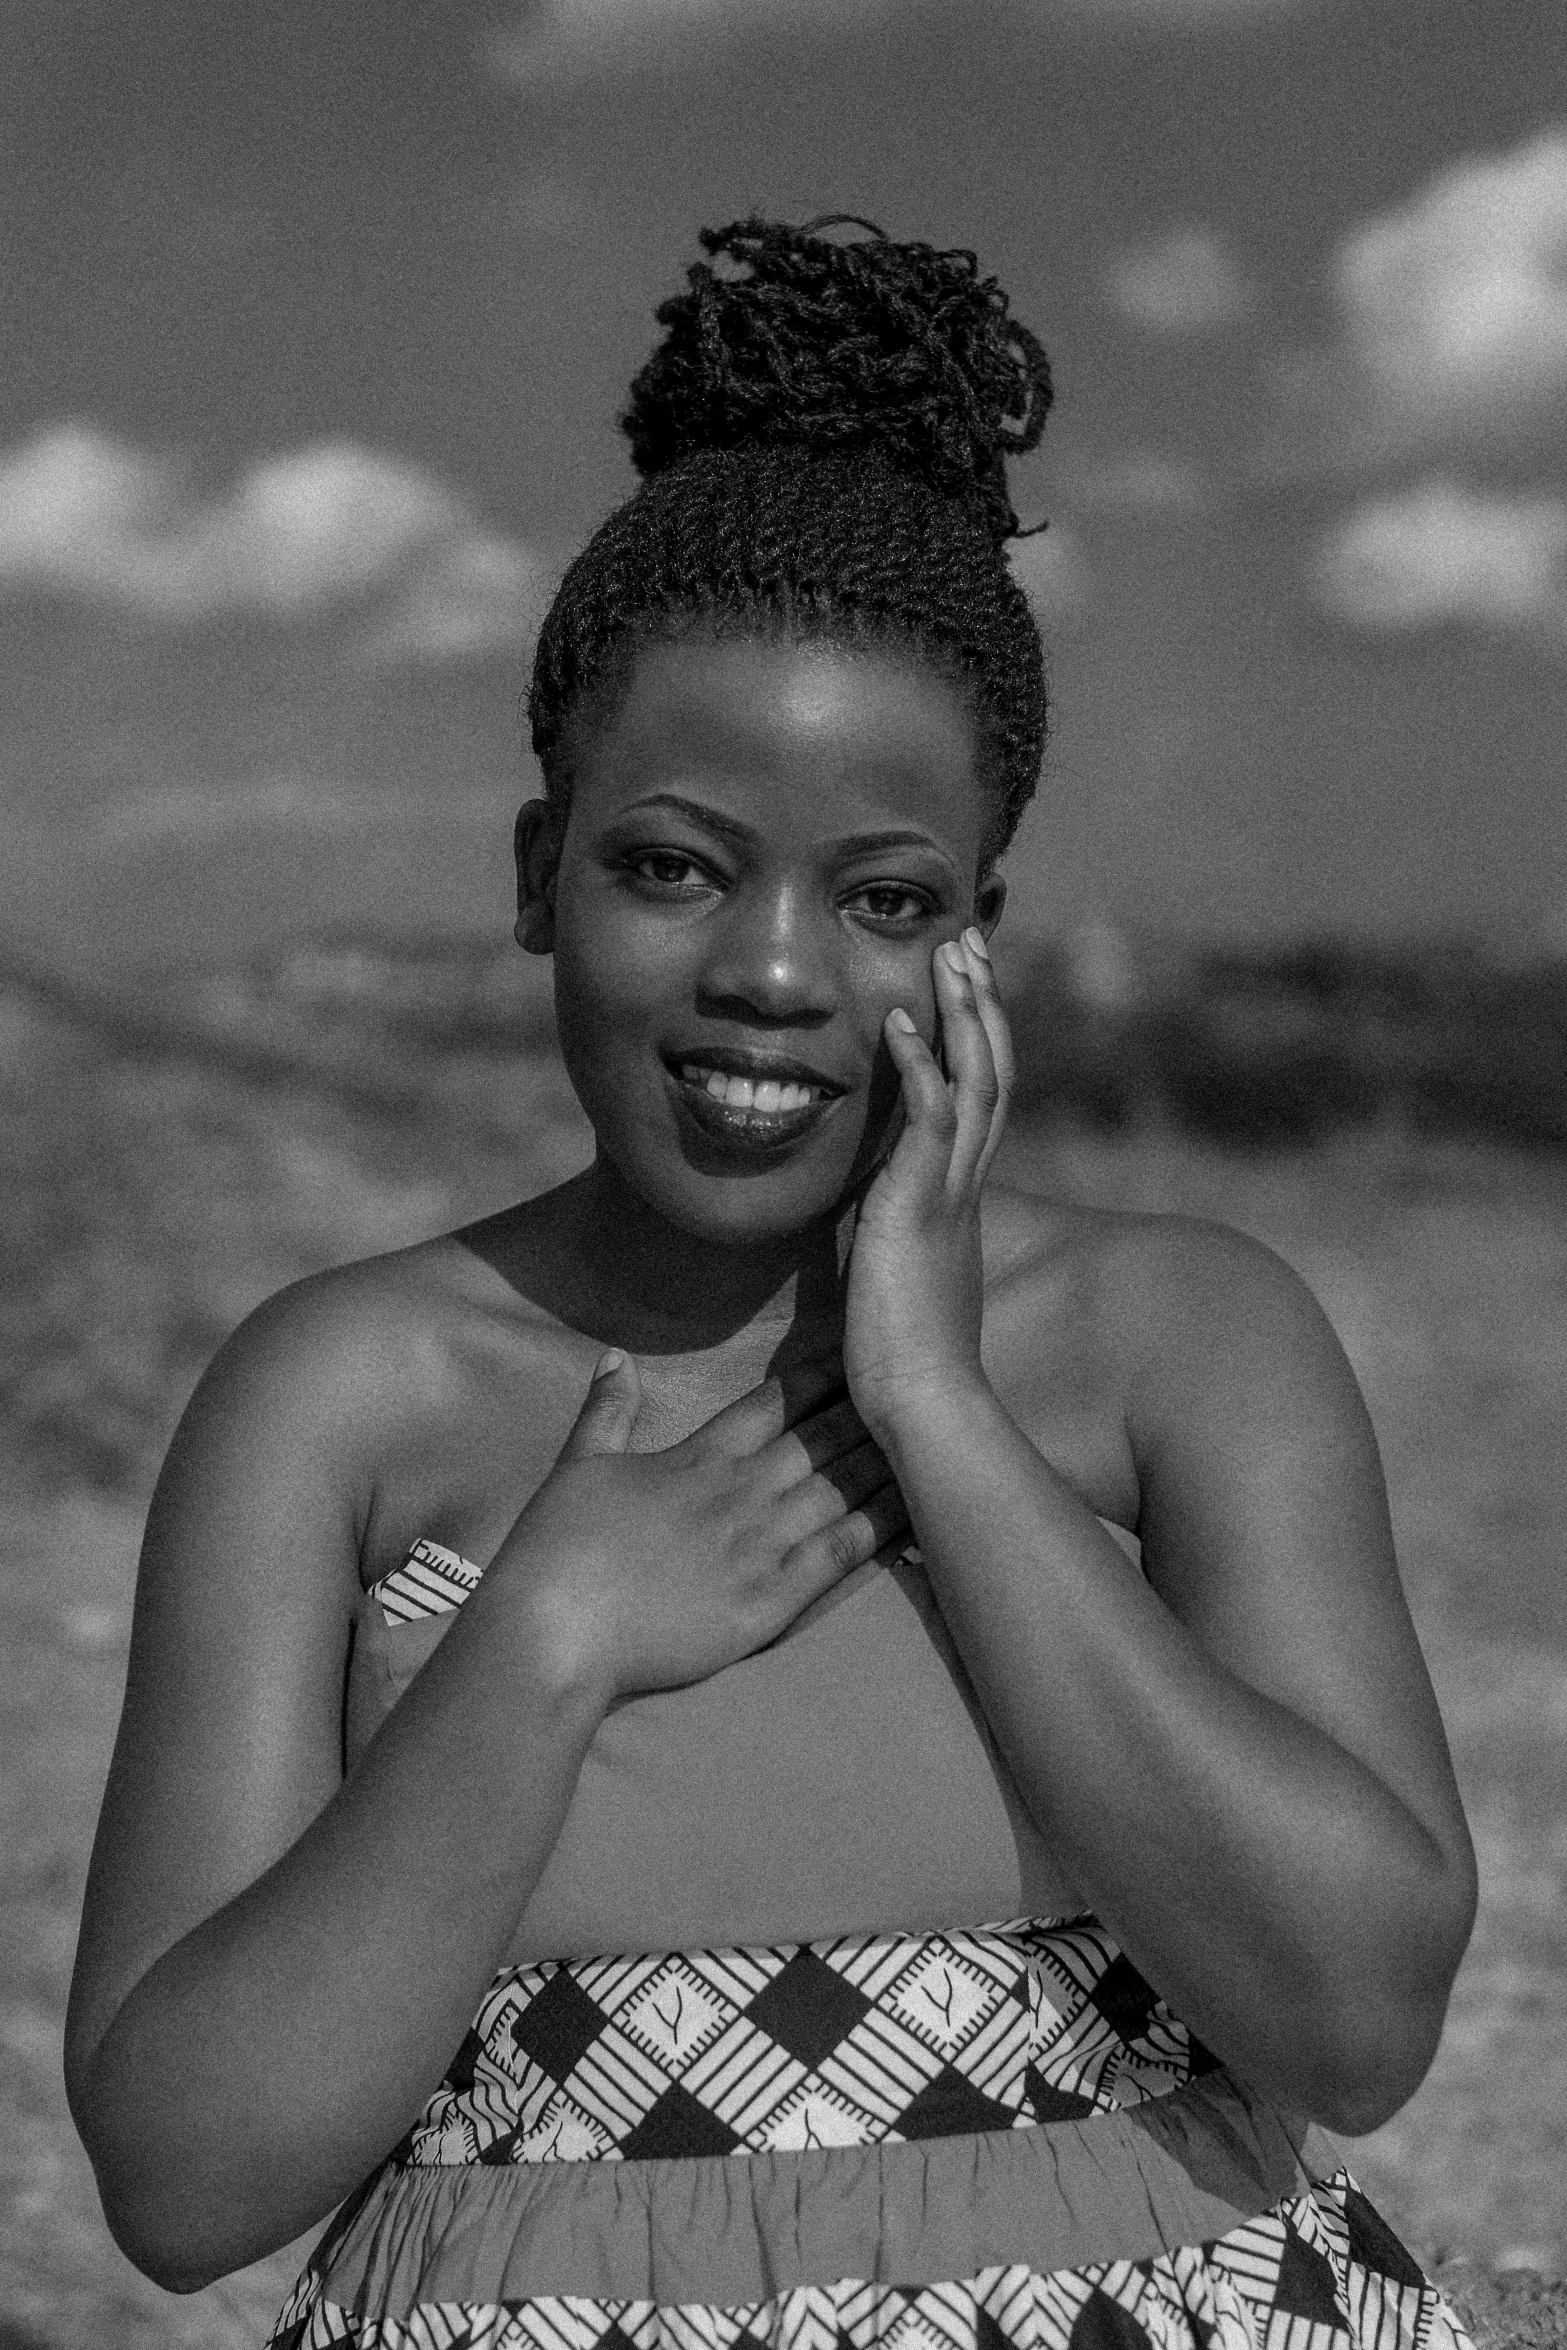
(862, 1899)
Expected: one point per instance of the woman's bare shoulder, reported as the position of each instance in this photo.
(1143, 1280)
(346, 1333)
(1104, 1327)
(342, 1366)
(385, 1322)
(1177, 1326)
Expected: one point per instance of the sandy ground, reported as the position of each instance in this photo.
(160, 1204)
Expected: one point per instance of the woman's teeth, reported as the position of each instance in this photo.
(742, 1093)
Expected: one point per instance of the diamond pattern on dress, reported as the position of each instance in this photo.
(840, 2043)
(807, 2008)
(1292, 2279)
(679, 2125)
(558, 2026)
(947, 1996)
(1103, 2033)
(951, 2105)
(675, 2015)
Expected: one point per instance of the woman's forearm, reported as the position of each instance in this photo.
(1286, 1904)
(268, 2059)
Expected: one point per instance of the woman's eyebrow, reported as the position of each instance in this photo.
(855, 844)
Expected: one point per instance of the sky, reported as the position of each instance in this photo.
(318, 315)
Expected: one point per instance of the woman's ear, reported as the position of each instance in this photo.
(990, 895)
(537, 844)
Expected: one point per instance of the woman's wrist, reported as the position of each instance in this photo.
(917, 1416)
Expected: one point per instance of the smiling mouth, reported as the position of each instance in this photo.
(750, 1114)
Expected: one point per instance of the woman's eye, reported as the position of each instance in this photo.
(890, 901)
(668, 869)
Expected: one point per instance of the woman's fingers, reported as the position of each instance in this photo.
(811, 1444)
(954, 1121)
(825, 1557)
(609, 1409)
(930, 1118)
(971, 1064)
(993, 1018)
(817, 1502)
(783, 1401)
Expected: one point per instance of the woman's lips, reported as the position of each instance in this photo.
(746, 1127)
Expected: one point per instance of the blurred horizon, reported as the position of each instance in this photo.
(319, 316)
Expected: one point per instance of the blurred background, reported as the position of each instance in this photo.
(317, 317)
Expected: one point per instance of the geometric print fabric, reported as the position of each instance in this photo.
(431, 1582)
(850, 2042)
(1320, 2272)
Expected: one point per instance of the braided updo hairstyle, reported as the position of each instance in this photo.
(822, 436)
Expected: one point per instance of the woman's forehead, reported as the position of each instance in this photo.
(785, 733)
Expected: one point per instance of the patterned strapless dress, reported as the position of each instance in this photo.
(989, 2136)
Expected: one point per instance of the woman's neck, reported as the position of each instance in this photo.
(598, 1257)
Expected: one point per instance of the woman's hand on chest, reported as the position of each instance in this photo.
(650, 1570)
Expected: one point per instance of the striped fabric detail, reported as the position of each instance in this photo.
(431, 1582)
(841, 2043)
(1303, 2276)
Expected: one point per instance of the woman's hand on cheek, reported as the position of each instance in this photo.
(916, 1276)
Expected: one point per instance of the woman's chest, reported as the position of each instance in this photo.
(474, 1446)
(842, 1780)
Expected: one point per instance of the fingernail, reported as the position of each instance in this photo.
(975, 942)
(900, 1020)
(608, 1362)
(951, 954)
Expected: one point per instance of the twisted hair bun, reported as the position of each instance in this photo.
(831, 347)
(822, 434)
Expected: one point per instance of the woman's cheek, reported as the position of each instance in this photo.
(604, 971)
(595, 1020)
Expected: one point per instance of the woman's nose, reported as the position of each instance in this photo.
(770, 957)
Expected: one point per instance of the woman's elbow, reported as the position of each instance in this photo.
(1382, 2087)
(158, 2225)
(1375, 2040)
(156, 2222)
(1381, 2061)
(159, 2243)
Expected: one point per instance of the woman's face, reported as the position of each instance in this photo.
(766, 842)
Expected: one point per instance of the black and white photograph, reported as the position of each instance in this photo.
(783, 1142)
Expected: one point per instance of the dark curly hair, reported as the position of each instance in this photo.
(822, 435)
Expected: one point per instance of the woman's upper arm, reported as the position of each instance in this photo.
(1264, 1520)
(229, 1742)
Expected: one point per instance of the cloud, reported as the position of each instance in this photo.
(1451, 314)
(1439, 554)
(571, 37)
(335, 524)
(1184, 283)
(557, 38)
(1050, 569)
(480, 594)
